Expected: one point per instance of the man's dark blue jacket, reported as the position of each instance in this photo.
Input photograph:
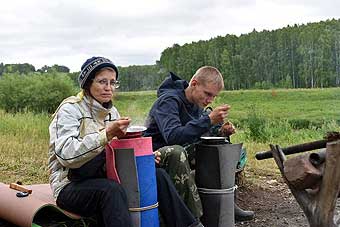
(172, 118)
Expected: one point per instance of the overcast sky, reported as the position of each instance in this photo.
(135, 32)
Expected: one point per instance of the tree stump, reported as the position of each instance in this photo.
(318, 207)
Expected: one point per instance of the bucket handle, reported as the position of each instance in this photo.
(217, 191)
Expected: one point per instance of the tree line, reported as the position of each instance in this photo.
(133, 78)
(299, 56)
(27, 68)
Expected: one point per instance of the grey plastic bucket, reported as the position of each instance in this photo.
(215, 178)
(219, 203)
(216, 165)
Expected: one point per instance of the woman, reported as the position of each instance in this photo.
(81, 128)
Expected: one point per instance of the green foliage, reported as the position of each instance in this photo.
(262, 130)
(34, 92)
(300, 123)
(54, 68)
(257, 126)
(302, 56)
(285, 83)
(139, 78)
(74, 77)
(16, 68)
(263, 85)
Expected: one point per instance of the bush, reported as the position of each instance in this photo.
(300, 123)
(279, 129)
(263, 85)
(34, 92)
(309, 124)
(256, 126)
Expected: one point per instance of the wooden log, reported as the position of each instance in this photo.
(301, 196)
(330, 186)
(330, 136)
(294, 149)
(318, 208)
(301, 173)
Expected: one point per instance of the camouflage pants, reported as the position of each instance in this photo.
(174, 159)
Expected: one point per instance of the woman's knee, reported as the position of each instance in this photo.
(111, 187)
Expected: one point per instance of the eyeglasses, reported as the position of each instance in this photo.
(105, 82)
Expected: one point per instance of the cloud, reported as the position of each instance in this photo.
(133, 32)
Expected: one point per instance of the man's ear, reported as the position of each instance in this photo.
(193, 83)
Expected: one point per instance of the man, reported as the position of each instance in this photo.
(177, 119)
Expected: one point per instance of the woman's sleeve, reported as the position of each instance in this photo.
(71, 149)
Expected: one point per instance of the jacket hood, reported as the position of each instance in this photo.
(172, 84)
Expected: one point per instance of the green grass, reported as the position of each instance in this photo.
(23, 147)
(24, 136)
(314, 104)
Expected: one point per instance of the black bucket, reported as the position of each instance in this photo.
(215, 178)
(218, 205)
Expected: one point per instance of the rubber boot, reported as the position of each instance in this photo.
(242, 215)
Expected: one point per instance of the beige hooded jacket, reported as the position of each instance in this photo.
(77, 135)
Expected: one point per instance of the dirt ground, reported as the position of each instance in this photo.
(273, 204)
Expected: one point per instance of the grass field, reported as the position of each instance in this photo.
(284, 117)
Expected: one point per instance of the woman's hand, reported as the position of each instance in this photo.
(117, 128)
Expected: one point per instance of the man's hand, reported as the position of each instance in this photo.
(157, 157)
(219, 114)
(117, 128)
(227, 129)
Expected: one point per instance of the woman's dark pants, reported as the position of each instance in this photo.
(99, 196)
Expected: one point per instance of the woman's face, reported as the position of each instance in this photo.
(103, 86)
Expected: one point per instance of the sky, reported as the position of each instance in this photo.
(135, 32)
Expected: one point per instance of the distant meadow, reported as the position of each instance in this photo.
(262, 117)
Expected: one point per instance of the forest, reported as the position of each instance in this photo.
(299, 56)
